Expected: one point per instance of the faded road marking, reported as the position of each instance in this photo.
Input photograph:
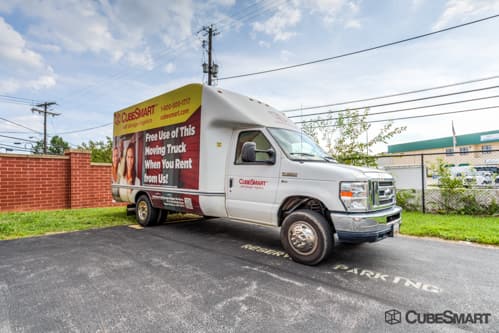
(371, 275)
(4, 313)
(263, 250)
(296, 283)
(136, 226)
(400, 280)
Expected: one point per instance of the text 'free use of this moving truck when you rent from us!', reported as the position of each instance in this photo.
(208, 151)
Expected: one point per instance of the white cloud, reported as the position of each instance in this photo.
(285, 55)
(169, 68)
(45, 81)
(416, 4)
(120, 29)
(13, 49)
(10, 86)
(328, 9)
(264, 44)
(279, 24)
(226, 3)
(45, 47)
(282, 25)
(24, 68)
(141, 59)
(459, 10)
(6, 6)
(353, 24)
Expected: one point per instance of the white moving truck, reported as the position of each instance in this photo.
(212, 152)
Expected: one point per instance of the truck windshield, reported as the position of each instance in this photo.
(298, 146)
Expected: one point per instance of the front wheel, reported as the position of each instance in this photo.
(306, 236)
(145, 213)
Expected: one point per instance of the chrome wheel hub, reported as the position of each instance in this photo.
(142, 210)
(302, 238)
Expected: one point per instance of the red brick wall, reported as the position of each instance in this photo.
(38, 182)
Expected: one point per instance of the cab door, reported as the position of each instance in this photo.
(252, 186)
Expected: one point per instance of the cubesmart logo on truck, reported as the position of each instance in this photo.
(252, 183)
(172, 108)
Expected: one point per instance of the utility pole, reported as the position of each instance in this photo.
(210, 68)
(45, 112)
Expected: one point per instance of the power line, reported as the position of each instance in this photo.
(85, 129)
(12, 148)
(406, 109)
(360, 51)
(393, 95)
(14, 123)
(14, 102)
(397, 102)
(13, 132)
(18, 98)
(418, 116)
(17, 138)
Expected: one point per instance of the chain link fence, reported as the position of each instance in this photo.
(464, 182)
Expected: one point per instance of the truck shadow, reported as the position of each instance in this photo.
(224, 231)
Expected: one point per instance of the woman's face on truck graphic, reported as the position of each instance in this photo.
(129, 160)
(115, 157)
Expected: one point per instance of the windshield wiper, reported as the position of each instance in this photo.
(325, 158)
(304, 154)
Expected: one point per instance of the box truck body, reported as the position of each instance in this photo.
(212, 152)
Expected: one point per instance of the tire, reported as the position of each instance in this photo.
(306, 236)
(145, 213)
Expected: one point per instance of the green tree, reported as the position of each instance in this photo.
(346, 136)
(101, 151)
(56, 146)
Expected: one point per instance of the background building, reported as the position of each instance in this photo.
(470, 149)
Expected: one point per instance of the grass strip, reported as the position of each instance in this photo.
(27, 224)
(476, 229)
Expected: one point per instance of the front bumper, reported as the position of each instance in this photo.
(367, 227)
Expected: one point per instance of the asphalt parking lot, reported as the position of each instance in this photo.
(217, 276)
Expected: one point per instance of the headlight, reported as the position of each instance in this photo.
(354, 196)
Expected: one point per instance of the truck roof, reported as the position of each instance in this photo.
(243, 111)
(219, 108)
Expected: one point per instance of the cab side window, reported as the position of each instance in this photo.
(261, 144)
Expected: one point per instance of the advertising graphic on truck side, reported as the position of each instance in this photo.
(162, 135)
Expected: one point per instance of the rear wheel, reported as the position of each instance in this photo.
(145, 213)
(306, 236)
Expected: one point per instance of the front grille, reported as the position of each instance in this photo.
(382, 193)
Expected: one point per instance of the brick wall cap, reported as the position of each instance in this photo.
(76, 151)
(61, 157)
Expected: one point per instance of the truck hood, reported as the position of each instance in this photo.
(330, 171)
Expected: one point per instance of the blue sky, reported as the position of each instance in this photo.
(96, 57)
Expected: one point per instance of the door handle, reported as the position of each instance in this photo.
(231, 182)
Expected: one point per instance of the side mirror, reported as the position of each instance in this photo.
(248, 153)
